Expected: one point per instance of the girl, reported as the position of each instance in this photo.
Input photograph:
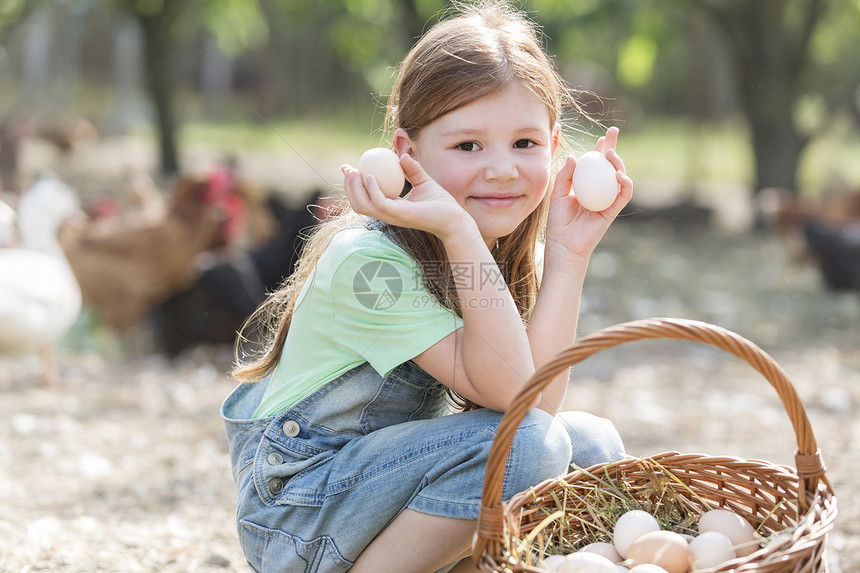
(345, 451)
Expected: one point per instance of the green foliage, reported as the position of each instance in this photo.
(834, 68)
(238, 24)
(10, 8)
(636, 60)
(371, 36)
(148, 7)
(427, 9)
(358, 35)
(10, 12)
(639, 44)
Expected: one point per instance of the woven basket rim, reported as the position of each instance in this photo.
(814, 497)
(810, 530)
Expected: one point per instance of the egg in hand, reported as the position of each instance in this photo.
(384, 165)
(595, 184)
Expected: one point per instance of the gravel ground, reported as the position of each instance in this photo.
(125, 466)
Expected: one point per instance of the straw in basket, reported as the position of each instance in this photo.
(797, 507)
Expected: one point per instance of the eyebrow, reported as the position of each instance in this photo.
(466, 131)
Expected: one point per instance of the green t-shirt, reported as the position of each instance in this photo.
(364, 302)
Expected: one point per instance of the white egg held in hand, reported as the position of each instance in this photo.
(595, 184)
(630, 526)
(384, 165)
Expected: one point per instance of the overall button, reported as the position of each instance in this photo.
(291, 428)
(275, 486)
(274, 459)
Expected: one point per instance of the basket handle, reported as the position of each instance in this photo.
(810, 464)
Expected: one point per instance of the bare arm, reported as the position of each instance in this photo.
(489, 359)
(572, 234)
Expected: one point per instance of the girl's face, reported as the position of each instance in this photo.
(493, 156)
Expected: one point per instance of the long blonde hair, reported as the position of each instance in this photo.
(476, 53)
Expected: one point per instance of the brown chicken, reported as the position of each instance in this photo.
(127, 263)
(68, 133)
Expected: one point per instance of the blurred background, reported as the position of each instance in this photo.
(161, 159)
(744, 94)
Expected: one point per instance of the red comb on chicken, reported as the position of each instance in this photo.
(222, 192)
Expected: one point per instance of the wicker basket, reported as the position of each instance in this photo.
(800, 502)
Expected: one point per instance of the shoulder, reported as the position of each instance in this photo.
(358, 238)
(363, 244)
(352, 249)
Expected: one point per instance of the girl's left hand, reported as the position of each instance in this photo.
(572, 231)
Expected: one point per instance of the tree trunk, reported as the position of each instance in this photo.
(770, 52)
(161, 77)
(412, 23)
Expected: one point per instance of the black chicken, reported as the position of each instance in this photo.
(227, 292)
(837, 250)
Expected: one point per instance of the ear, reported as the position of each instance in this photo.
(403, 143)
(556, 137)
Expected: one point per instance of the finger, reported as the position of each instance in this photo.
(355, 191)
(625, 181)
(563, 179)
(413, 170)
(626, 192)
(616, 161)
(377, 197)
(349, 187)
(623, 197)
(611, 139)
(601, 141)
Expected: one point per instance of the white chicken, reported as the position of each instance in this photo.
(39, 296)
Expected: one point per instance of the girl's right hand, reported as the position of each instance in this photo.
(572, 231)
(427, 206)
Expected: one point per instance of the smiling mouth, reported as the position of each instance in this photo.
(496, 200)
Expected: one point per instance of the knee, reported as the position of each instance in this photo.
(541, 450)
(594, 440)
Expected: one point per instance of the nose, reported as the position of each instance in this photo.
(501, 166)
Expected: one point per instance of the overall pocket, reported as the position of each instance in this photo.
(273, 551)
(406, 394)
(288, 468)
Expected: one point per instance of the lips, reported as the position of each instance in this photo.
(496, 200)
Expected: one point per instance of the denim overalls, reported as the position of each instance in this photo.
(317, 482)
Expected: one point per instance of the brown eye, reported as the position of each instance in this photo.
(524, 143)
(468, 146)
